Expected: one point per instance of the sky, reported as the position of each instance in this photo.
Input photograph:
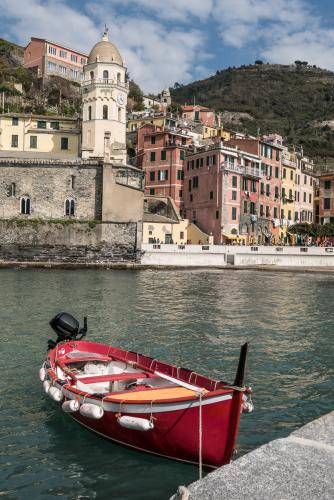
(168, 41)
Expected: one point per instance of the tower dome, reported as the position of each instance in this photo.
(105, 51)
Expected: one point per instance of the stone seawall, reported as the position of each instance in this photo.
(68, 241)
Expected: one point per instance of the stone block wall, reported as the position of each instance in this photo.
(68, 241)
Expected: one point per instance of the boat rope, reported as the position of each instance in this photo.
(200, 465)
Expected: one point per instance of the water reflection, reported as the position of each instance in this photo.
(190, 318)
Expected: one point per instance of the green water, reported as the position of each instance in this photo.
(190, 318)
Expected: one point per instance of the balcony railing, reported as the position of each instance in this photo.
(289, 163)
(105, 81)
(232, 167)
(253, 172)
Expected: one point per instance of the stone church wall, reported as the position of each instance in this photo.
(68, 241)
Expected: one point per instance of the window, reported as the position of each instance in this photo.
(289, 215)
(33, 141)
(69, 207)
(152, 176)
(152, 139)
(277, 154)
(15, 121)
(91, 75)
(182, 155)
(276, 192)
(83, 61)
(234, 181)
(105, 74)
(119, 77)
(163, 175)
(304, 197)
(63, 54)
(253, 186)
(327, 203)
(211, 195)
(291, 175)
(11, 190)
(244, 184)
(189, 185)
(62, 69)
(163, 155)
(217, 214)
(152, 191)
(245, 207)
(311, 181)
(54, 125)
(267, 189)
(119, 114)
(275, 212)
(195, 181)
(74, 58)
(234, 213)
(52, 66)
(89, 112)
(276, 172)
(64, 143)
(72, 181)
(25, 205)
(310, 198)
(282, 213)
(252, 208)
(305, 179)
(284, 173)
(74, 73)
(261, 211)
(105, 112)
(15, 141)
(180, 193)
(41, 124)
(234, 195)
(181, 235)
(296, 216)
(283, 193)
(327, 184)
(290, 194)
(207, 160)
(188, 165)
(197, 163)
(262, 188)
(202, 162)
(152, 156)
(52, 50)
(267, 212)
(191, 197)
(180, 175)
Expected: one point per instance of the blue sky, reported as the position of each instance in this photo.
(163, 41)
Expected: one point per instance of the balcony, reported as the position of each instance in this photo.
(256, 173)
(104, 82)
(289, 163)
(232, 167)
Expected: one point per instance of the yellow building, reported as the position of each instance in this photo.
(287, 216)
(137, 120)
(57, 135)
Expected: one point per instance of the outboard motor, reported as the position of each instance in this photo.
(67, 328)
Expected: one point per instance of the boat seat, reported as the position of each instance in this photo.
(113, 378)
(148, 394)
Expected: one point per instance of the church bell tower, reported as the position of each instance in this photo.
(104, 98)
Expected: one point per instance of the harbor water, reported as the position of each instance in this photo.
(196, 319)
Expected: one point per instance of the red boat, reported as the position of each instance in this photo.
(144, 403)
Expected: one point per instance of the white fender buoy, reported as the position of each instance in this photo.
(71, 406)
(56, 394)
(46, 386)
(91, 411)
(42, 374)
(135, 423)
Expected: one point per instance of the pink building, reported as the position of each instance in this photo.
(199, 114)
(212, 183)
(161, 153)
(270, 184)
(50, 58)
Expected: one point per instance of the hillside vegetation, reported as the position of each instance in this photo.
(291, 100)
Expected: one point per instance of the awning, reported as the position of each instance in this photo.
(234, 237)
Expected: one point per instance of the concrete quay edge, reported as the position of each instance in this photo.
(138, 266)
(299, 466)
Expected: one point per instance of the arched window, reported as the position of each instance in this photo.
(89, 112)
(105, 112)
(92, 75)
(118, 77)
(69, 207)
(105, 74)
(25, 205)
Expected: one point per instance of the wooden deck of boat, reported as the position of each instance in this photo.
(153, 394)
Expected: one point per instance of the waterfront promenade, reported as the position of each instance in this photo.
(299, 466)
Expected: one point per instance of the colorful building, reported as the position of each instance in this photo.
(50, 58)
(161, 153)
(198, 113)
(40, 134)
(326, 198)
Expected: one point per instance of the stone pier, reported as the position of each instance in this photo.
(300, 466)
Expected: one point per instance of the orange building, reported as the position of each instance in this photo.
(200, 114)
(49, 58)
